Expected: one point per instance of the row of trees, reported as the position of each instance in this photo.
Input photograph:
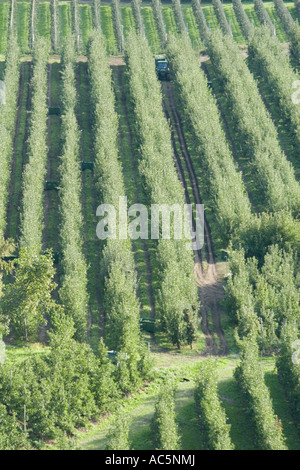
(136, 8)
(8, 114)
(54, 24)
(32, 219)
(177, 297)
(201, 21)
(250, 379)
(221, 183)
(273, 65)
(243, 19)
(178, 13)
(159, 20)
(221, 17)
(212, 416)
(263, 15)
(97, 14)
(122, 332)
(73, 289)
(164, 428)
(258, 137)
(291, 27)
(118, 27)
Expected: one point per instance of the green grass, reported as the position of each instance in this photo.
(86, 23)
(4, 20)
(150, 29)
(108, 29)
(23, 18)
(44, 21)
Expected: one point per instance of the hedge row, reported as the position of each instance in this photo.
(178, 13)
(73, 290)
(163, 426)
(136, 8)
(220, 14)
(117, 20)
(291, 27)
(263, 15)
(211, 414)
(250, 379)
(159, 20)
(201, 21)
(243, 19)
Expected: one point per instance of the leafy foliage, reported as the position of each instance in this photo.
(274, 174)
(177, 297)
(118, 28)
(118, 436)
(201, 21)
(28, 300)
(212, 417)
(120, 298)
(163, 426)
(263, 15)
(250, 378)
(136, 8)
(179, 16)
(289, 369)
(7, 122)
(222, 183)
(220, 14)
(160, 24)
(272, 63)
(32, 220)
(73, 289)
(243, 19)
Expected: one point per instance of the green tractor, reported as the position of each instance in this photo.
(162, 67)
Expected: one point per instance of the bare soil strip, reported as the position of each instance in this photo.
(211, 290)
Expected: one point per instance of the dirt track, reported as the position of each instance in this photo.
(210, 287)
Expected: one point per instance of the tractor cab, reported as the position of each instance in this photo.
(162, 68)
